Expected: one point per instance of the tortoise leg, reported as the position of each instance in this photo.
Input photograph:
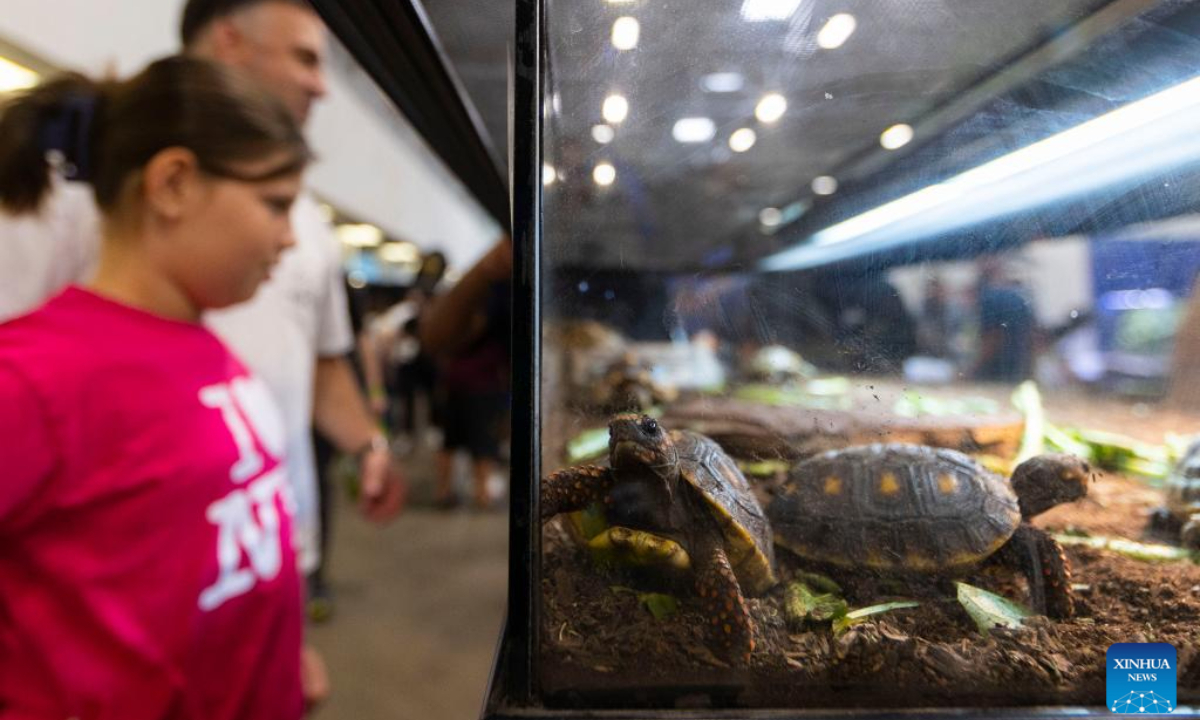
(1189, 536)
(1042, 561)
(730, 629)
(574, 488)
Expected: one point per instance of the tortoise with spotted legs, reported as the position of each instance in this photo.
(894, 508)
(676, 496)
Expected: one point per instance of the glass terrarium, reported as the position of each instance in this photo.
(858, 355)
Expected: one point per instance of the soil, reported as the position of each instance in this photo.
(601, 646)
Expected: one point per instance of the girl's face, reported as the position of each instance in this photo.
(231, 236)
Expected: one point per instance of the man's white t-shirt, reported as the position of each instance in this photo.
(43, 252)
(299, 314)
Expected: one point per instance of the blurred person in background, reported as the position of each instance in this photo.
(146, 549)
(295, 333)
(1006, 325)
(468, 331)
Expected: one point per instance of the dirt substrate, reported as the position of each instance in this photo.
(602, 647)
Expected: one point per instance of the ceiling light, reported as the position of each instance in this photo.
(837, 30)
(722, 82)
(615, 109)
(604, 174)
(694, 130)
(625, 33)
(360, 235)
(759, 10)
(770, 217)
(1142, 139)
(770, 108)
(15, 77)
(602, 134)
(897, 136)
(399, 253)
(548, 174)
(742, 140)
(824, 185)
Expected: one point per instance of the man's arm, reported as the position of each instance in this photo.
(449, 320)
(341, 414)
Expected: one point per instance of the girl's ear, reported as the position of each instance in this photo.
(171, 182)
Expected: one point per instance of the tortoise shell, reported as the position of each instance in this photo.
(1183, 485)
(706, 467)
(894, 507)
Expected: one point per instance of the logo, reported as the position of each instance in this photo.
(1141, 678)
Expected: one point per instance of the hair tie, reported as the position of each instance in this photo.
(67, 131)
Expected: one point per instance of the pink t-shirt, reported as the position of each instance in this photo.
(146, 561)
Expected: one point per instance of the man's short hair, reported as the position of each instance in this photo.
(198, 14)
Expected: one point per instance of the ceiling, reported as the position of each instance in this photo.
(974, 78)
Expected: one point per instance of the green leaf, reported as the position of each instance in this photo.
(1028, 400)
(592, 520)
(1146, 552)
(819, 582)
(587, 445)
(802, 605)
(659, 604)
(854, 617)
(990, 610)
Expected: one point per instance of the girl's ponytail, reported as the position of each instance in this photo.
(58, 122)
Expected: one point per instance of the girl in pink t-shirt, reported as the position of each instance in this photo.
(146, 559)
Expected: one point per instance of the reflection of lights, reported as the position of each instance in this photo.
(604, 174)
(625, 31)
(897, 136)
(603, 134)
(1143, 138)
(722, 82)
(1150, 299)
(15, 77)
(770, 217)
(357, 279)
(615, 109)
(837, 30)
(360, 235)
(742, 140)
(694, 130)
(583, 286)
(770, 108)
(548, 174)
(400, 253)
(759, 10)
(824, 185)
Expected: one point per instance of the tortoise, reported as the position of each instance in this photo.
(779, 365)
(911, 509)
(628, 385)
(677, 496)
(1182, 510)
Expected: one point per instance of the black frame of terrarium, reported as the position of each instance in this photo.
(515, 688)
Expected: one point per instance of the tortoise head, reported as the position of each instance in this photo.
(1044, 481)
(639, 442)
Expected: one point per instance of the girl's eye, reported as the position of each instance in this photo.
(279, 205)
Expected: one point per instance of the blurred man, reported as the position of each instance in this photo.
(296, 332)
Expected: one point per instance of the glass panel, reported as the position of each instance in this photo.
(818, 279)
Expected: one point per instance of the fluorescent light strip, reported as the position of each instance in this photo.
(1154, 134)
(16, 77)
